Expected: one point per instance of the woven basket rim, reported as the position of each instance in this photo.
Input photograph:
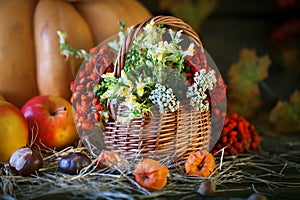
(170, 21)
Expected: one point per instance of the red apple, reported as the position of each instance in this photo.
(13, 130)
(50, 119)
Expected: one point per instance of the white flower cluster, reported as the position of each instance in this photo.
(164, 98)
(203, 82)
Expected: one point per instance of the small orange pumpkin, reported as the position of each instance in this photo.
(151, 174)
(108, 159)
(200, 163)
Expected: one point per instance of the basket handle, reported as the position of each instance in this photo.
(170, 21)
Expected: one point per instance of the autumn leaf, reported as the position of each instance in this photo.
(190, 11)
(286, 114)
(243, 82)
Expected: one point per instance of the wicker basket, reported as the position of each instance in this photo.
(173, 134)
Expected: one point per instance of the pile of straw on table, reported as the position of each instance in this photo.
(247, 173)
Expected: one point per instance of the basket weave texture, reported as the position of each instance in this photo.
(174, 134)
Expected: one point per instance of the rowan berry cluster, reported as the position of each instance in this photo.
(238, 135)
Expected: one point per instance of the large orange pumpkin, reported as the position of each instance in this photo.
(30, 61)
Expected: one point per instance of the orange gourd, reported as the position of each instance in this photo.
(30, 61)
(151, 174)
(200, 163)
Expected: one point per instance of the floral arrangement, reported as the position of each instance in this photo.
(155, 73)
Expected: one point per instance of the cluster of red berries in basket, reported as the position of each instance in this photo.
(149, 65)
(87, 103)
(198, 61)
(195, 63)
(89, 76)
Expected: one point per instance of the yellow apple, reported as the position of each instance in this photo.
(51, 121)
(13, 130)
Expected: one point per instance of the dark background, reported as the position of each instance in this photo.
(270, 27)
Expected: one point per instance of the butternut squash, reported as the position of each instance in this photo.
(103, 15)
(54, 72)
(30, 59)
(17, 54)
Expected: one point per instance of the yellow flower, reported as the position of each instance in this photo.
(190, 50)
(104, 96)
(131, 99)
(124, 91)
(105, 115)
(140, 91)
(108, 75)
(154, 56)
(107, 94)
(149, 26)
(140, 87)
(110, 87)
(125, 80)
(159, 56)
(121, 119)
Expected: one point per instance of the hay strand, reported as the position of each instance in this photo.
(249, 172)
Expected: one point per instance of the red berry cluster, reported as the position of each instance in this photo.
(237, 136)
(197, 62)
(194, 63)
(218, 94)
(89, 76)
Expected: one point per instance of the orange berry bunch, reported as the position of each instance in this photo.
(237, 136)
(89, 77)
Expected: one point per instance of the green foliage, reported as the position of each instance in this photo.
(68, 50)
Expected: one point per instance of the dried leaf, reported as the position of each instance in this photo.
(243, 79)
(286, 115)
